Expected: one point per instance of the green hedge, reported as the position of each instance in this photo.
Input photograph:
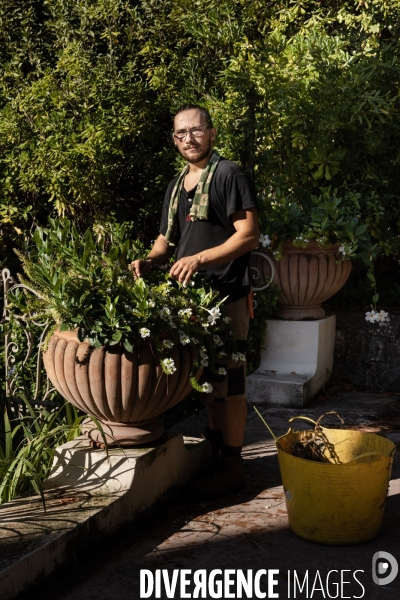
(305, 96)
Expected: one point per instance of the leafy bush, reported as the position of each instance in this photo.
(27, 446)
(304, 94)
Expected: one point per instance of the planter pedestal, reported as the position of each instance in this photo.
(296, 363)
(123, 434)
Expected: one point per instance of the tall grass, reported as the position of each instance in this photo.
(27, 447)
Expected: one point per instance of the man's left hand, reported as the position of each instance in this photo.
(184, 268)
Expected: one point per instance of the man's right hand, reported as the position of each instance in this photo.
(140, 267)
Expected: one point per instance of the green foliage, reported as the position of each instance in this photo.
(27, 447)
(81, 132)
(327, 219)
(304, 95)
(325, 127)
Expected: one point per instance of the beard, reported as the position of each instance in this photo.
(201, 152)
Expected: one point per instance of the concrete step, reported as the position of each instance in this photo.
(89, 495)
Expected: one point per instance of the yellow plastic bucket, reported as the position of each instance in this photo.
(337, 503)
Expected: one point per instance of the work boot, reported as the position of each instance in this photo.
(228, 477)
(214, 436)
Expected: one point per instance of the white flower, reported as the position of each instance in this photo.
(194, 340)
(381, 316)
(144, 333)
(205, 325)
(264, 240)
(226, 319)
(215, 314)
(203, 352)
(172, 324)
(204, 361)
(152, 303)
(167, 343)
(221, 354)
(165, 312)
(241, 357)
(217, 340)
(235, 357)
(344, 250)
(221, 371)
(185, 339)
(370, 316)
(185, 312)
(168, 366)
(207, 388)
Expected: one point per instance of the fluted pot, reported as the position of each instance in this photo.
(125, 391)
(308, 277)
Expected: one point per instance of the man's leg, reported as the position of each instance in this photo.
(230, 418)
(234, 413)
(213, 433)
(227, 412)
(227, 421)
(226, 425)
(214, 414)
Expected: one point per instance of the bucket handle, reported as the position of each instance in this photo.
(302, 419)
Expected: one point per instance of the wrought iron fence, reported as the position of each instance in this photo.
(34, 333)
(262, 271)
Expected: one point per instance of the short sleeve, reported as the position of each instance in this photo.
(240, 193)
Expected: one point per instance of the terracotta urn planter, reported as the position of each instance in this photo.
(308, 277)
(125, 391)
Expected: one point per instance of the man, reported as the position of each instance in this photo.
(210, 214)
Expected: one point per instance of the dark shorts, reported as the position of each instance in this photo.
(231, 386)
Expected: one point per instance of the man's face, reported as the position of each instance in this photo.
(193, 149)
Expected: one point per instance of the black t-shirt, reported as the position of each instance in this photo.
(230, 191)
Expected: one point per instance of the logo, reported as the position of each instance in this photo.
(384, 564)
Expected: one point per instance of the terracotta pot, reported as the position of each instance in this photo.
(125, 391)
(308, 277)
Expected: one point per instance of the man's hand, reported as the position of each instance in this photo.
(184, 268)
(159, 255)
(140, 267)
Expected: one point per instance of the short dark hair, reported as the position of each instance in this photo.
(201, 109)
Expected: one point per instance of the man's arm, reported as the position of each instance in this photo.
(242, 241)
(158, 255)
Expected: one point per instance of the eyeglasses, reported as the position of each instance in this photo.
(196, 132)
